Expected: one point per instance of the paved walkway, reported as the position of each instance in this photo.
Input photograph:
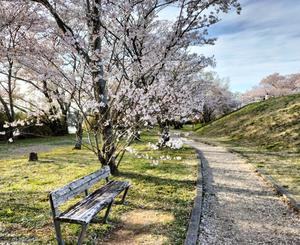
(238, 207)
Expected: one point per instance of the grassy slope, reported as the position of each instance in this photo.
(268, 134)
(273, 124)
(158, 203)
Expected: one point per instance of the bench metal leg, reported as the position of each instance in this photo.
(59, 238)
(82, 233)
(96, 220)
(107, 212)
(124, 195)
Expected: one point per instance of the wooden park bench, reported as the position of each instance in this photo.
(84, 212)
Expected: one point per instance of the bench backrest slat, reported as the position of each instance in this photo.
(78, 186)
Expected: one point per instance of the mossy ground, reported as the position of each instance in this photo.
(164, 191)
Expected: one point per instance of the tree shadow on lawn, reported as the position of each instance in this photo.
(25, 214)
(26, 218)
(155, 179)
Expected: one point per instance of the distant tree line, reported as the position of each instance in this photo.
(273, 85)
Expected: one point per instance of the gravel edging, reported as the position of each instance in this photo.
(292, 203)
(194, 224)
(270, 181)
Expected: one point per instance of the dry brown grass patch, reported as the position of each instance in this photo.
(141, 227)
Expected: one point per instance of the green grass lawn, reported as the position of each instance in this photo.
(159, 201)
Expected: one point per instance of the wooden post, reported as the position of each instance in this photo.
(33, 156)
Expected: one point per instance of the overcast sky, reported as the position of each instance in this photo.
(264, 39)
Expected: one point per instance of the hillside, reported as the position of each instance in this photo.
(273, 125)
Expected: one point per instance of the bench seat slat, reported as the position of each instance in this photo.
(85, 210)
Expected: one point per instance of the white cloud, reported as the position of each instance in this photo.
(264, 39)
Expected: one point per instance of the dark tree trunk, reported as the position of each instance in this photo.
(109, 160)
(113, 166)
(106, 156)
(207, 114)
(177, 125)
(165, 134)
(9, 133)
(59, 127)
(9, 106)
(109, 149)
(79, 131)
(10, 91)
(64, 122)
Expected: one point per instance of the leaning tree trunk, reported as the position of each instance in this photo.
(9, 132)
(106, 155)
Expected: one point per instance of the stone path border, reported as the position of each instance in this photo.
(278, 189)
(193, 228)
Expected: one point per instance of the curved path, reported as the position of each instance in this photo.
(237, 206)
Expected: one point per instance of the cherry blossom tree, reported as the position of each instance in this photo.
(22, 54)
(16, 22)
(218, 99)
(125, 56)
(178, 91)
(274, 85)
